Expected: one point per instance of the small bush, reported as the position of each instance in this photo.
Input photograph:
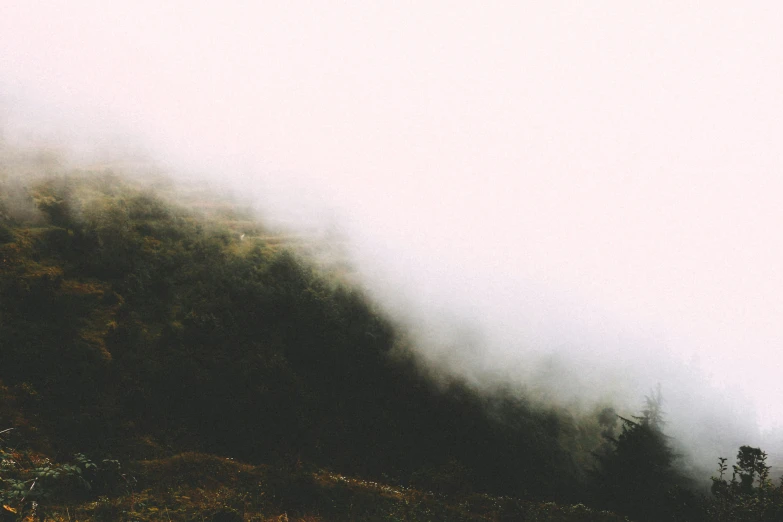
(30, 482)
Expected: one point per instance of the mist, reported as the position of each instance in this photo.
(580, 200)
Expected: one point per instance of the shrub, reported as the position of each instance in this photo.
(29, 481)
(749, 495)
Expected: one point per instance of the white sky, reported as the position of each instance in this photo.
(580, 167)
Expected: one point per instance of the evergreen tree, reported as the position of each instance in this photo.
(636, 471)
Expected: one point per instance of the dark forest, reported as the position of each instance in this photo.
(163, 357)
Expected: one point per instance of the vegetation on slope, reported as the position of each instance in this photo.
(138, 329)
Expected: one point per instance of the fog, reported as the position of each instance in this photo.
(580, 198)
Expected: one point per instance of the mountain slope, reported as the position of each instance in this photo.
(135, 327)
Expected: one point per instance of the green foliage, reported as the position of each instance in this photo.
(751, 465)
(143, 326)
(749, 495)
(129, 324)
(30, 482)
(636, 471)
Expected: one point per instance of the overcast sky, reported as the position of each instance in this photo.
(564, 173)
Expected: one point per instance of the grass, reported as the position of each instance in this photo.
(207, 488)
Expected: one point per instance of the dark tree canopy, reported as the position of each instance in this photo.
(636, 469)
(144, 327)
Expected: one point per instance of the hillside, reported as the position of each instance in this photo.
(198, 368)
(136, 328)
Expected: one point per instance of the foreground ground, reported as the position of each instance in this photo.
(199, 487)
